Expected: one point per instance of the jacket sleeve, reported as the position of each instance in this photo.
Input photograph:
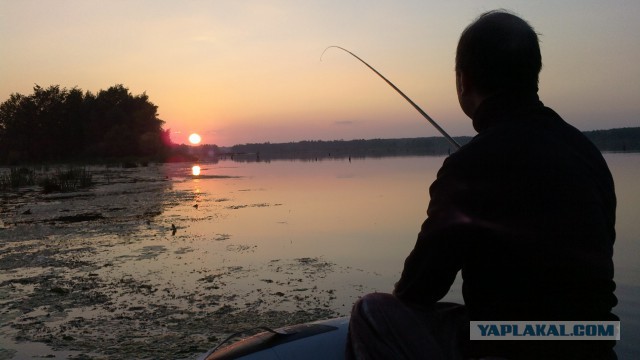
(438, 255)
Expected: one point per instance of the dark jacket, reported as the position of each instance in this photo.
(527, 211)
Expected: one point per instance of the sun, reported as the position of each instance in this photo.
(195, 139)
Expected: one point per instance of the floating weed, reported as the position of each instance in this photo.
(222, 237)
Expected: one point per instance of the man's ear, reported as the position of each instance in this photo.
(469, 99)
(462, 83)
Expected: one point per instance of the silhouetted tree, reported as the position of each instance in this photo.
(59, 124)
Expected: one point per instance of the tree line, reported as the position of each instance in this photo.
(616, 140)
(320, 149)
(58, 124)
(612, 140)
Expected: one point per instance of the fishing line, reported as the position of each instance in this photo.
(441, 130)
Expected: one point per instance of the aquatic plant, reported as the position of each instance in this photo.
(17, 177)
(70, 179)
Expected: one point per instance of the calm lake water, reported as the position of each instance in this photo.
(240, 245)
(363, 216)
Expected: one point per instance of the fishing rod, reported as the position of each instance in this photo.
(444, 133)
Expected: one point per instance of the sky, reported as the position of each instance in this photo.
(241, 71)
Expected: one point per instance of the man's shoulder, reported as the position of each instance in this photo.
(529, 147)
(532, 133)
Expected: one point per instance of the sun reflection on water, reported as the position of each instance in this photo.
(195, 170)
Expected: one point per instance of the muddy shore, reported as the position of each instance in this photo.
(83, 275)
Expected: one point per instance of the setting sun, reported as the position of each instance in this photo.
(194, 138)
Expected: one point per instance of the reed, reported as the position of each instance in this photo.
(70, 179)
(17, 177)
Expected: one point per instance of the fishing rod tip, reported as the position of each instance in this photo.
(327, 48)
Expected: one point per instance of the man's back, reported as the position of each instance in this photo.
(527, 211)
(546, 199)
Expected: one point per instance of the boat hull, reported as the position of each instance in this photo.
(317, 340)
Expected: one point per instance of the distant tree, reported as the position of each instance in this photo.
(14, 123)
(56, 124)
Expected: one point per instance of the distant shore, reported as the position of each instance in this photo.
(612, 140)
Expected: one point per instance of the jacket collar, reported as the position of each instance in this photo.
(504, 107)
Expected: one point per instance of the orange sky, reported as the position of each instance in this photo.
(250, 71)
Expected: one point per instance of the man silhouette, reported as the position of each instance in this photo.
(526, 211)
